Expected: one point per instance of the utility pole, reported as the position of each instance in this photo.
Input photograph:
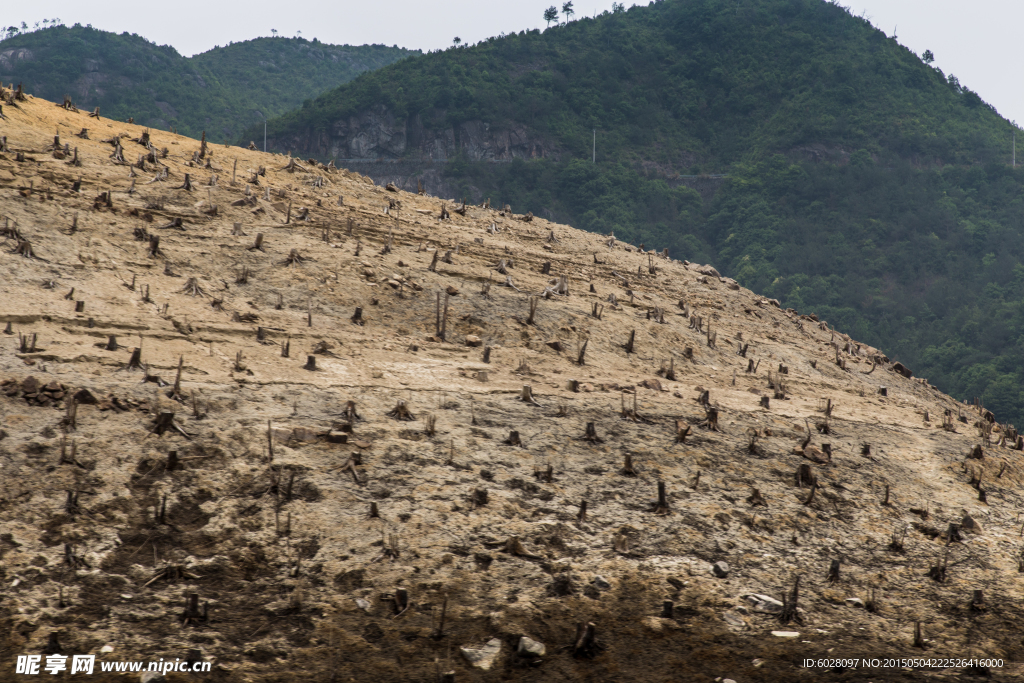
(595, 146)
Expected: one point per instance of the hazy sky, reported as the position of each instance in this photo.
(973, 40)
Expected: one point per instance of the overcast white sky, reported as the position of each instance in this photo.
(974, 40)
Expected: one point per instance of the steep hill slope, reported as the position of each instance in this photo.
(221, 91)
(377, 455)
(862, 184)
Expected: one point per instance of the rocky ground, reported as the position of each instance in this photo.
(378, 496)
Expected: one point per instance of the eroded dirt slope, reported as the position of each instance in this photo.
(324, 538)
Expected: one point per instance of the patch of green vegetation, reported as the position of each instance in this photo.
(221, 91)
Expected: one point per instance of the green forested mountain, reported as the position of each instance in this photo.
(221, 91)
(862, 184)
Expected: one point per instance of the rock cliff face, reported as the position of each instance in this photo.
(270, 417)
(378, 134)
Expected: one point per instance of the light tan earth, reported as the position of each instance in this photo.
(283, 576)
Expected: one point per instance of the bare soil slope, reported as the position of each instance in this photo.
(378, 498)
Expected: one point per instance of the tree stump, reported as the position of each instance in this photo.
(192, 616)
(790, 611)
(135, 362)
(401, 412)
(586, 643)
(661, 508)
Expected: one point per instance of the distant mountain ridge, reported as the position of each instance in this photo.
(221, 91)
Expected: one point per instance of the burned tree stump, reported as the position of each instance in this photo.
(175, 392)
(310, 363)
(814, 490)
(627, 468)
(682, 431)
(586, 643)
(710, 421)
(661, 508)
(978, 602)
(192, 288)
(135, 362)
(938, 572)
(357, 317)
(581, 358)
(514, 439)
(192, 616)
(790, 611)
(546, 475)
(24, 249)
(591, 434)
(401, 412)
(479, 498)
(164, 422)
(258, 244)
(755, 499)
(805, 476)
(833, 572)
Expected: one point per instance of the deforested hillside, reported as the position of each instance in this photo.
(810, 156)
(221, 91)
(262, 413)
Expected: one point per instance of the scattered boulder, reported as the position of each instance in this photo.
(529, 647)
(483, 657)
(720, 569)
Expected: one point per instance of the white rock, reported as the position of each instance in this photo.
(106, 649)
(363, 604)
(786, 634)
(763, 603)
(734, 619)
(152, 677)
(483, 657)
(529, 646)
(855, 602)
